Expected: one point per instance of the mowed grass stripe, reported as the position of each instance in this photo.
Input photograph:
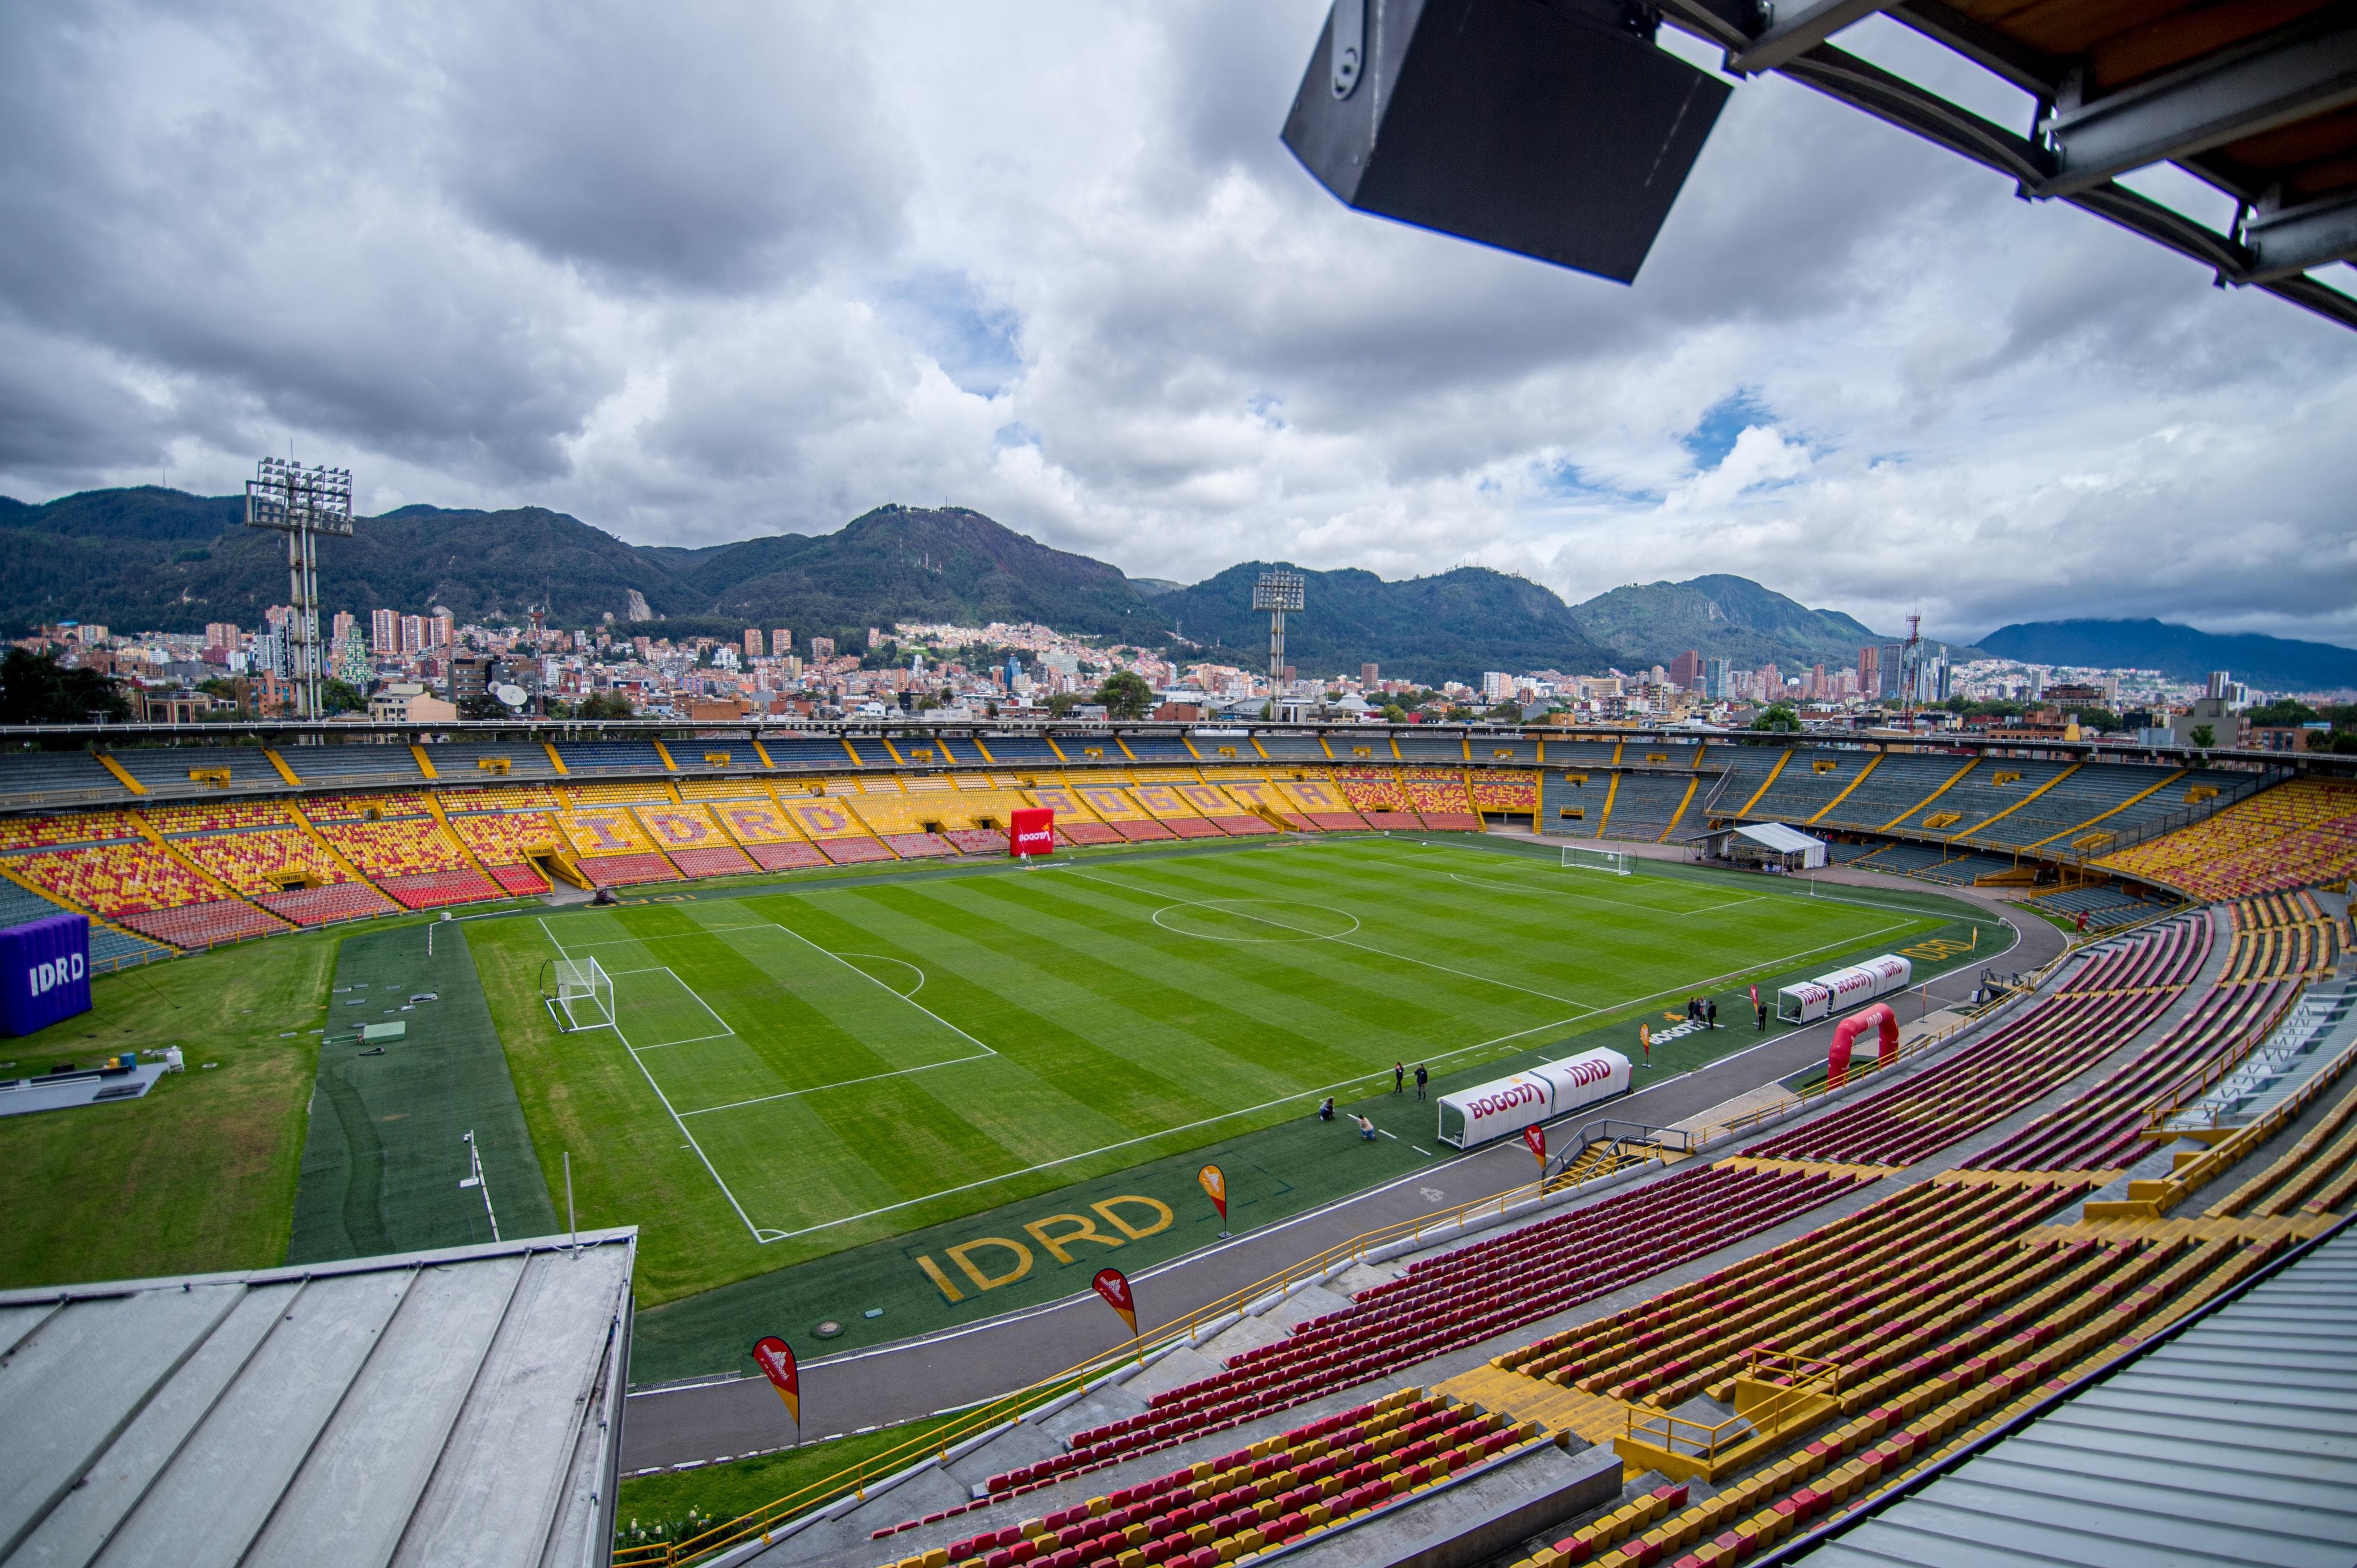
(1102, 1012)
(1762, 920)
(1119, 1039)
(1370, 963)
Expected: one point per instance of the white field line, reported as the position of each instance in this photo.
(1345, 941)
(1163, 1132)
(844, 1083)
(910, 998)
(760, 1237)
(1390, 853)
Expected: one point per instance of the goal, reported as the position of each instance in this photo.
(579, 993)
(1580, 857)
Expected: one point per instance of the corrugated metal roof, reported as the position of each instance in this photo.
(2234, 1442)
(454, 1407)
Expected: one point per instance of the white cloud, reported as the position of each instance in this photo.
(727, 269)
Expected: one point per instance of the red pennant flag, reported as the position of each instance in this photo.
(1215, 1183)
(1755, 998)
(1535, 1136)
(776, 1359)
(1114, 1285)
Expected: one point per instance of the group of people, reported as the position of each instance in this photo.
(1399, 1085)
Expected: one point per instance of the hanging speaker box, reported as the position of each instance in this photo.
(1551, 128)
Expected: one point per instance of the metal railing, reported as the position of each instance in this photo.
(1811, 1378)
(1012, 1409)
(2201, 1079)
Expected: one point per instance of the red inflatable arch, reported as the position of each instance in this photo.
(1849, 1029)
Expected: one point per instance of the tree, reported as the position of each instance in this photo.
(2204, 736)
(1393, 713)
(2096, 718)
(1064, 702)
(1780, 718)
(1126, 695)
(2284, 711)
(481, 706)
(342, 697)
(35, 690)
(605, 705)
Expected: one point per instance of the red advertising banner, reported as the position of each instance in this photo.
(1031, 831)
(776, 1359)
(1114, 1285)
(1215, 1183)
(1535, 1136)
(1755, 998)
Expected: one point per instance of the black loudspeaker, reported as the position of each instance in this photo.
(1551, 128)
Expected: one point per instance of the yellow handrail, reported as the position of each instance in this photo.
(763, 1522)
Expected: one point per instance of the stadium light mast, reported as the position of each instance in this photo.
(1911, 669)
(302, 503)
(1277, 592)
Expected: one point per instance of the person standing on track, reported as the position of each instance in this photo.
(1399, 1076)
(1421, 1076)
(1710, 1012)
(1761, 1009)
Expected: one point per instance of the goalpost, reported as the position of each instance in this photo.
(1583, 857)
(579, 995)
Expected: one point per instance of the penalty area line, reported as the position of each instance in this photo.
(760, 1237)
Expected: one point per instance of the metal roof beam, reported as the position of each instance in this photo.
(2272, 80)
(2311, 236)
(2032, 71)
(1808, 24)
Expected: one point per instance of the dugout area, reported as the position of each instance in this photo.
(386, 1148)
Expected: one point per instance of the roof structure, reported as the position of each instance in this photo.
(454, 1407)
(2256, 98)
(1778, 837)
(2232, 1443)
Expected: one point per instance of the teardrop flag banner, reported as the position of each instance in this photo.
(776, 1359)
(1535, 1136)
(1755, 998)
(1114, 1285)
(1215, 1183)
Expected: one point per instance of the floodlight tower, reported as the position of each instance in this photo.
(302, 503)
(1911, 668)
(1276, 591)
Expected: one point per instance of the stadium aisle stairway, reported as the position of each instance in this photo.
(1470, 1295)
(2121, 988)
(2099, 1129)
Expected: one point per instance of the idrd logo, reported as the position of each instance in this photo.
(44, 978)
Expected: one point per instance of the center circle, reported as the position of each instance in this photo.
(1256, 921)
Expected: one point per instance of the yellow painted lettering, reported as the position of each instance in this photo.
(941, 1281)
(1085, 1229)
(1110, 1205)
(962, 1255)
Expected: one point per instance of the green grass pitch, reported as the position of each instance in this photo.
(797, 1073)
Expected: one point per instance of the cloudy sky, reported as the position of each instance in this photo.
(694, 272)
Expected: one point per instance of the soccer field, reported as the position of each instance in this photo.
(795, 1073)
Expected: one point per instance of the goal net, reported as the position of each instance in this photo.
(1582, 857)
(579, 993)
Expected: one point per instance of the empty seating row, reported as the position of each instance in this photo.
(2104, 907)
(54, 778)
(1965, 1351)
(352, 763)
(1475, 1291)
(2300, 833)
(2100, 1128)
(1987, 1079)
(1278, 1491)
(1645, 805)
(1897, 785)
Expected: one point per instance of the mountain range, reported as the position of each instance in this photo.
(148, 557)
(2181, 652)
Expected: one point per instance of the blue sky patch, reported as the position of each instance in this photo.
(973, 340)
(1711, 440)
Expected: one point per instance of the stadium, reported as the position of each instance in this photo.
(974, 1136)
(782, 1000)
